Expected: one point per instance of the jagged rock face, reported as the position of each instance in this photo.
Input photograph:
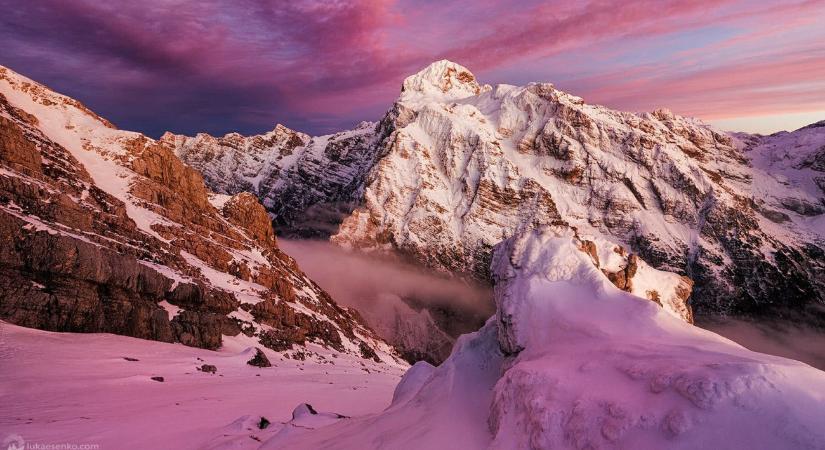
(235, 163)
(104, 230)
(307, 184)
(245, 211)
(456, 167)
(462, 172)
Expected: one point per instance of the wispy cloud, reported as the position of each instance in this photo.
(190, 65)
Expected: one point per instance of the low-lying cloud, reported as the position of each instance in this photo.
(787, 338)
(411, 307)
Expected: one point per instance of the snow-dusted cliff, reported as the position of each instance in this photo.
(308, 184)
(104, 230)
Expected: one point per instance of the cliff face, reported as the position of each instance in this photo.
(455, 167)
(308, 183)
(108, 231)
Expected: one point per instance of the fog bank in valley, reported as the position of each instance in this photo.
(794, 339)
(416, 310)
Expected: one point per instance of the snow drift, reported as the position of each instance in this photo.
(570, 361)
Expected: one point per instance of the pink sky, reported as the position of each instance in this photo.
(188, 66)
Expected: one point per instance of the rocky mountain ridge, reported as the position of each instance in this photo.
(455, 167)
(106, 230)
(308, 183)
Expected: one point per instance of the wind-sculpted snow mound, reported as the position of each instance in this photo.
(595, 367)
(571, 361)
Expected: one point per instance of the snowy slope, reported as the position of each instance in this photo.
(570, 361)
(791, 173)
(47, 379)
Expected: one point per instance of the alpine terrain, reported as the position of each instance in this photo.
(602, 236)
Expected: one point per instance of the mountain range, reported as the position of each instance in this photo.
(454, 167)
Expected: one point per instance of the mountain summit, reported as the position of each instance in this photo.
(443, 80)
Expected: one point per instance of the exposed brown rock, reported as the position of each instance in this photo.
(367, 352)
(589, 247)
(259, 360)
(157, 163)
(207, 368)
(654, 296)
(290, 327)
(245, 211)
(683, 292)
(15, 149)
(623, 278)
(72, 258)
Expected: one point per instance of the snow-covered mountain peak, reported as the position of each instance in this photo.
(41, 95)
(820, 124)
(441, 80)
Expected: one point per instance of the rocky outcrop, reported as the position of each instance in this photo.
(259, 360)
(103, 230)
(289, 327)
(244, 211)
(623, 278)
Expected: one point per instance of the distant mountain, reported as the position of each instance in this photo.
(309, 183)
(103, 230)
(455, 167)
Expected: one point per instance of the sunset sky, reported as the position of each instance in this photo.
(189, 66)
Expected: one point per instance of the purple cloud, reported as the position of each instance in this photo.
(317, 66)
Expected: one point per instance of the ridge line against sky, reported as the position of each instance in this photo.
(190, 66)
